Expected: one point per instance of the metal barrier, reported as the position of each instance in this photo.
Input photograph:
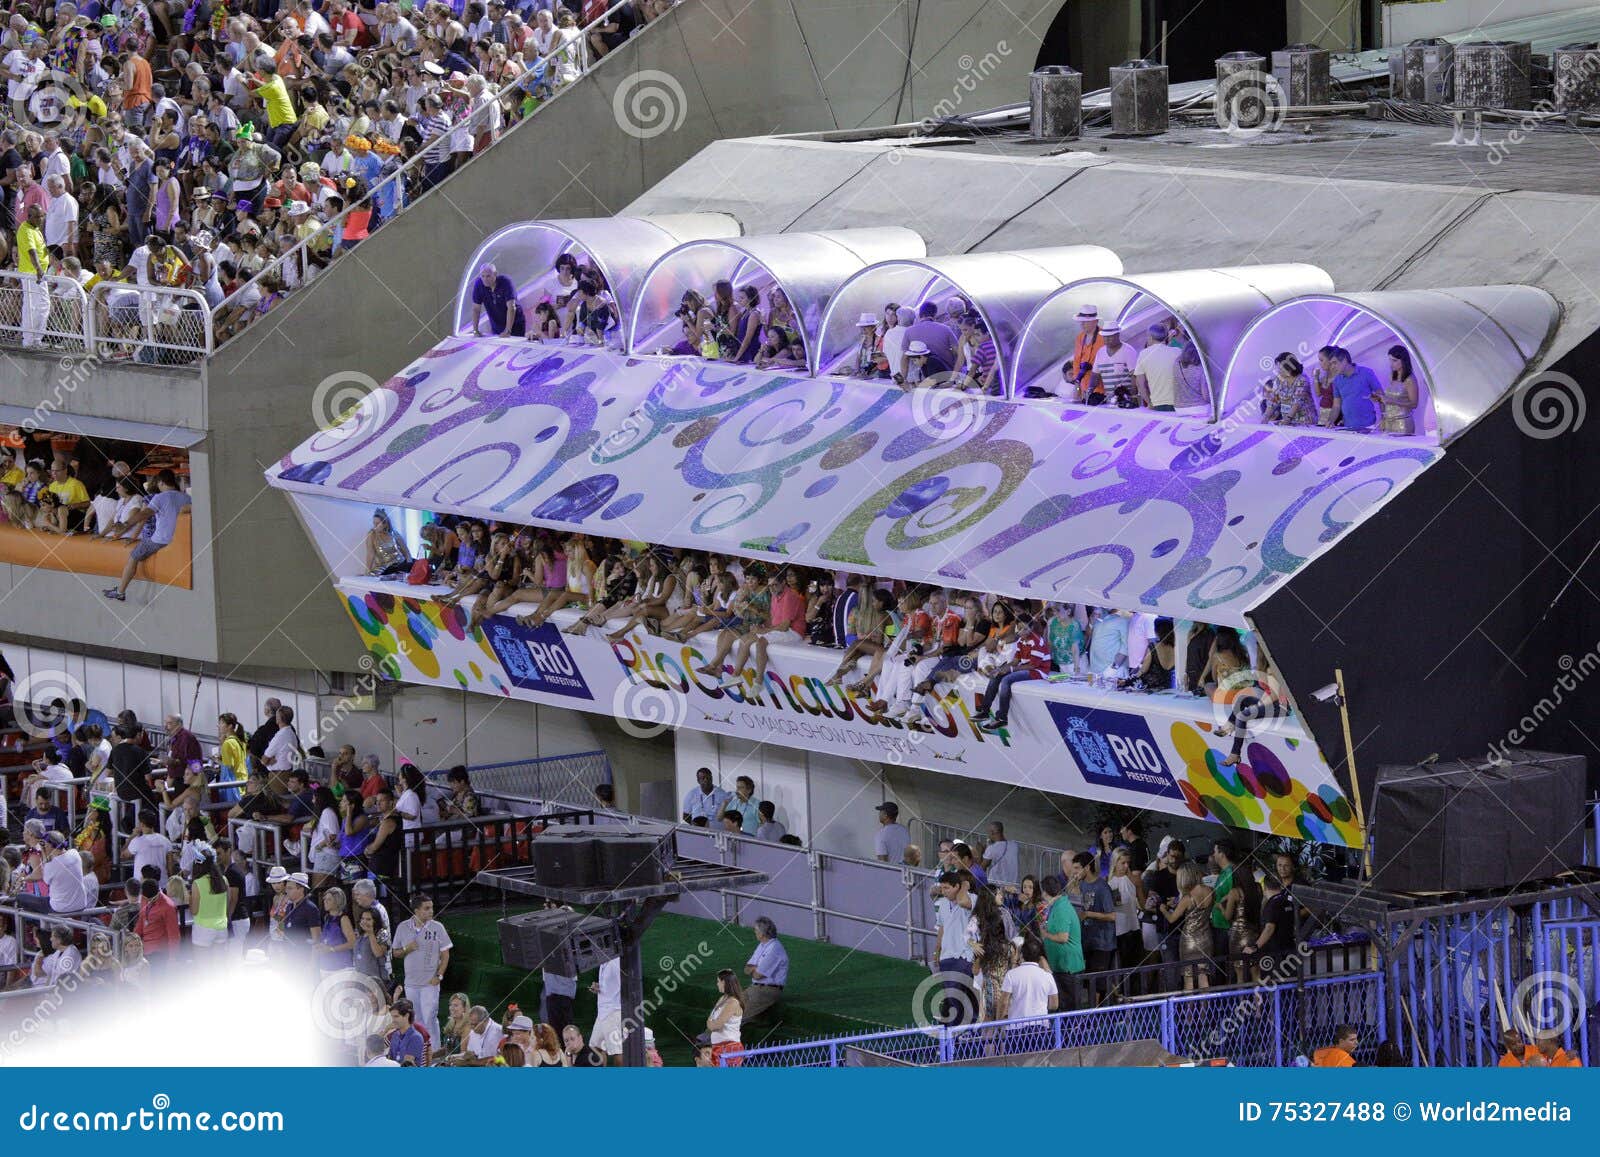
(1034, 860)
(442, 860)
(85, 924)
(551, 779)
(149, 324)
(1258, 1026)
(43, 313)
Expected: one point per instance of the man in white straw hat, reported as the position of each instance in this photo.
(867, 351)
(1111, 381)
(1075, 372)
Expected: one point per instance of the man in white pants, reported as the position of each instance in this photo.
(425, 946)
(607, 1032)
(33, 262)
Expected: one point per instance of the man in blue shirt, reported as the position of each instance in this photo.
(1353, 387)
(1099, 915)
(405, 1042)
(767, 968)
(160, 524)
(494, 294)
(743, 804)
(769, 829)
(704, 801)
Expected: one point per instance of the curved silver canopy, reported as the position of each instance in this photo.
(807, 267)
(1468, 345)
(1214, 306)
(1003, 287)
(623, 248)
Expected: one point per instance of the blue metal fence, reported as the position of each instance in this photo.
(1259, 1026)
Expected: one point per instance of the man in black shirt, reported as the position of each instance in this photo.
(130, 773)
(261, 736)
(1274, 947)
(239, 908)
(1161, 887)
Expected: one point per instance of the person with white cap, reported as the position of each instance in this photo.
(916, 361)
(1111, 380)
(519, 1032)
(1084, 348)
(302, 921)
(867, 349)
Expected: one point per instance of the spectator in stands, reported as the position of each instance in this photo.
(424, 946)
(769, 829)
(262, 736)
(148, 848)
(1353, 390)
(1030, 660)
(767, 968)
(606, 1036)
(1286, 397)
(954, 965)
(382, 852)
(579, 1054)
(1063, 942)
(462, 803)
(1028, 991)
(405, 1041)
(743, 806)
(158, 523)
(891, 838)
(999, 861)
(156, 925)
(988, 935)
(284, 751)
(705, 800)
(372, 781)
(726, 1019)
(1191, 917)
(1341, 1054)
(61, 962)
(181, 743)
(493, 293)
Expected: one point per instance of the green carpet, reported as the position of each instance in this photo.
(831, 991)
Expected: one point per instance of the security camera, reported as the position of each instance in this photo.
(1326, 694)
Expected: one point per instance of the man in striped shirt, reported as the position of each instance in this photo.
(1031, 660)
(982, 359)
(434, 125)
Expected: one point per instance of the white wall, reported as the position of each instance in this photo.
(1403, 22)
(152, 692)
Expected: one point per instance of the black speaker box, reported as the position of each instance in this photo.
(627, 860)
(1474, 826)
(566, 859)
(559, 940)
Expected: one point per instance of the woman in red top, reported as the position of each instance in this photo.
(157, 922)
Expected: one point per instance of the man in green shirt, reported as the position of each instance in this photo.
(1063, 943)
(1222, 859)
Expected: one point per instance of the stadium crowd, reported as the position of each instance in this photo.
(904, 646)
(214, 145)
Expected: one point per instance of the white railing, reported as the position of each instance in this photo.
(153, 325)
(147, 325)
(507, 96)
(43, 313)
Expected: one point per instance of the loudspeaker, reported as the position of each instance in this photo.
(558, 940)
(566, 859)
(627, 860)
(1474, 826)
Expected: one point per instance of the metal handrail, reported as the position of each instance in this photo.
(154, 298)
(510, 88)
(60, 288)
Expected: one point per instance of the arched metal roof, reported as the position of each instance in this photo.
(623, 248)
(1214, 306)
(1469, 345)
(808, 267)
(1004, 288)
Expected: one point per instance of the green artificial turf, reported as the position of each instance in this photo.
(831, 990)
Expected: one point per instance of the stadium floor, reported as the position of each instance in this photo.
(831, 990)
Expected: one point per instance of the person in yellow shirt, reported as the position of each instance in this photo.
(10, 472)
(33, 261)
(71, 497)
(1341, 1053)
(281, 118)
